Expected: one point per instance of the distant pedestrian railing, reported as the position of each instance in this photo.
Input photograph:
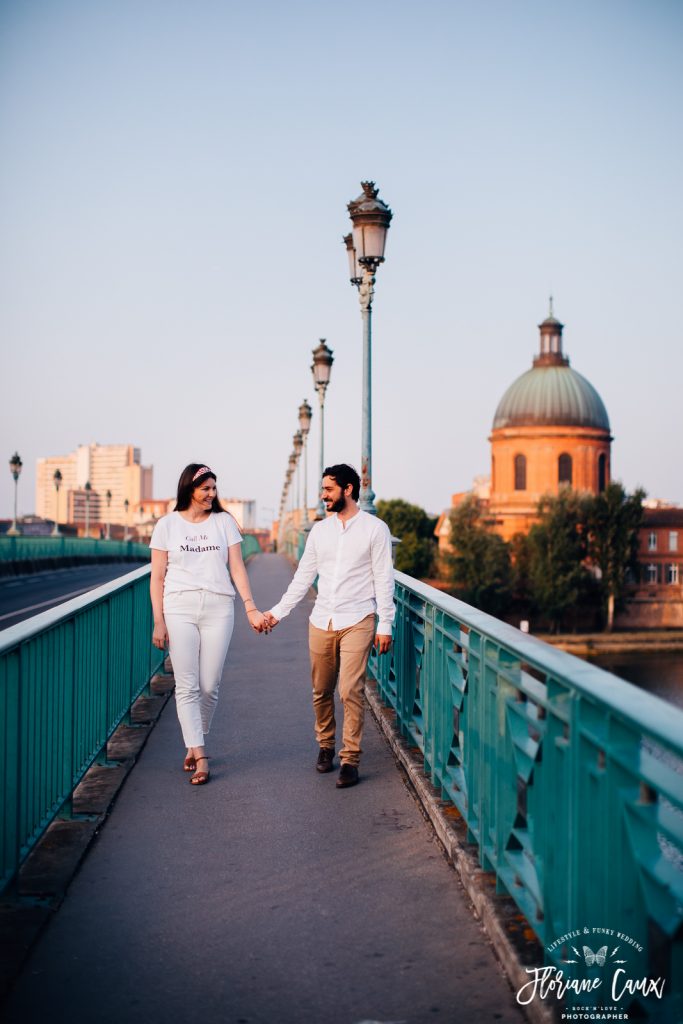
(68, 678)
(569, 780)
(250, 546)
(40, 549)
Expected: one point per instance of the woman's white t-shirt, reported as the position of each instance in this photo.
(197, 552)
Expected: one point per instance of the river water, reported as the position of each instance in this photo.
(660, 672)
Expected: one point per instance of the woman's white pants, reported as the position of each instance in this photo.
(199, 626)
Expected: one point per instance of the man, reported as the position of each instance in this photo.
(350, 553)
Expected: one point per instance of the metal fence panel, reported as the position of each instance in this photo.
(569, 780)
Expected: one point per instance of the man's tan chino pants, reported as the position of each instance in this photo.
(340, 655)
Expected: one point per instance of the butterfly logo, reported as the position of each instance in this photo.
(590, 958)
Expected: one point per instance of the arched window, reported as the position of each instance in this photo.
(602, 472)
(564, 467)
(520, 472)
(493, 472)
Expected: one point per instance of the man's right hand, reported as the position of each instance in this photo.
(270, 619)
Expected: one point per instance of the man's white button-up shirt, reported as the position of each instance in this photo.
(352, 560)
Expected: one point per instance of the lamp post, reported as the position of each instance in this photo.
(108, 497)
(88, 489)
(15, 465)
(126, 506)
(57, 478)
(365, 248)
(298, 443)
(290, 476)
(321, 367)
(305, 414)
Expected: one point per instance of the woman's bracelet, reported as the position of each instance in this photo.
(251, 610)
(250, 600)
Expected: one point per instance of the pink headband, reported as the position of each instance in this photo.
(201, 472)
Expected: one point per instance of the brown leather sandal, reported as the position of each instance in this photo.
(200, 778)
(190, 763)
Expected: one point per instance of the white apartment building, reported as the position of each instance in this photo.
(243, 511)
(108, 467)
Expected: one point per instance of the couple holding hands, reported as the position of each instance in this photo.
(197, 566)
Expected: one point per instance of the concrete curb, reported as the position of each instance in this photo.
(513, 940)
(43, 879)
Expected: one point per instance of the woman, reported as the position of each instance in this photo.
(196, 559)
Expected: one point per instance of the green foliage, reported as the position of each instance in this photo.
(557, 547)
(613, 519)
(480, 568)
(415, 529)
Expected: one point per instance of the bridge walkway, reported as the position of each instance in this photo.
(268, 896)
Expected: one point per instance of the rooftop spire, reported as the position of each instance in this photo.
(551, 342)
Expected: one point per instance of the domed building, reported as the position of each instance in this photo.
(550, 430)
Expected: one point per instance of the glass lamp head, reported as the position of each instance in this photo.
(371, 218)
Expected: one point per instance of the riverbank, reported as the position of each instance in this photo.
(583, 644)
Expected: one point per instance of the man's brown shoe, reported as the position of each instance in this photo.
(348, 776)
(325, 759)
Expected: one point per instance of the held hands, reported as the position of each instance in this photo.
(261, 622)
(257, 621)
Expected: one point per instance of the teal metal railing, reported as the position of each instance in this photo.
(68, 677)
(250, 546)
(568, 779)
(20, 549)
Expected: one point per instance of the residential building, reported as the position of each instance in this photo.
(113, 468)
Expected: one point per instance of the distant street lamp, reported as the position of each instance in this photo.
(365, 248)
(298, 443)
(305, 414)
(15, 465)
(321, 368)
(57, 477)
(126, 506)
(108, 497)
(88, 489)
(290, 476)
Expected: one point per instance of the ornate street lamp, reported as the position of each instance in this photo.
(305, 414)
(126, 506)
(321, 367)
(108, 497)
(298, 443)
(57, 478)
(88, 489)
(15, 465)
(371, 219)
(290, 476)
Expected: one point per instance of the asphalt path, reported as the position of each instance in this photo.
(268, 896)
(24, 596)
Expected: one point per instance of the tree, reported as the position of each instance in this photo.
(415, 530)
(557, 546)
(614, 519)
(480, 561)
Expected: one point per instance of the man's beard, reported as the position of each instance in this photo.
(339, 505)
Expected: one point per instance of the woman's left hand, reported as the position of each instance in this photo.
(257, 621)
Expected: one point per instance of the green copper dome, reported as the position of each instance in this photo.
(551, 393)
(551, 396)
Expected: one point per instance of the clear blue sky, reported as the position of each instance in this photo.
(173, 190)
